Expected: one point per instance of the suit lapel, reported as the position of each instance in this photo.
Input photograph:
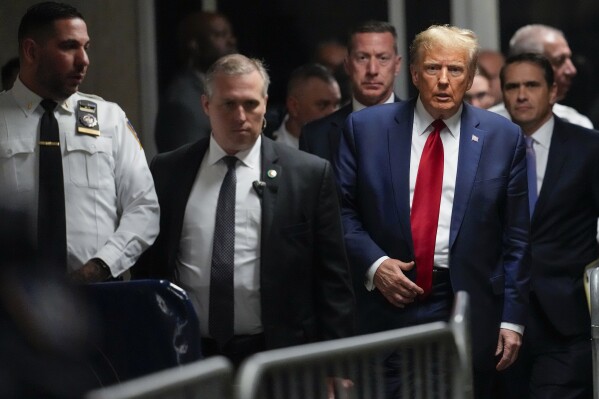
(400, 147)
(555, 162)
(472, 140)
(271, 175)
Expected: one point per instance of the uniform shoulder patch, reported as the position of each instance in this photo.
(132, 130)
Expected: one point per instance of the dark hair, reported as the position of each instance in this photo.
(538, 59)
(304, 72)
(40, 18)
(372, 26)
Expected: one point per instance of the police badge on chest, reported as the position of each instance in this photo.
(87, 118)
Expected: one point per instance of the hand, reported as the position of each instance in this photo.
(390, 280)
(91, 272)
(339, 385)
(508, 346)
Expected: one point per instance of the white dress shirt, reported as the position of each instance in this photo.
(111, 206)
(563, 111)
(450, 137)
(358, 106)
(194, 258)
(541, 141)
(282, 135)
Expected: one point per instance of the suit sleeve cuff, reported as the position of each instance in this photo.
(369, 277)
(514, 327)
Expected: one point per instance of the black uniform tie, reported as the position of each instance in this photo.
(223, 255)
(51, 223)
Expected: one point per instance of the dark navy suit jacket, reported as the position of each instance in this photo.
(564, 227)
(488, 243)
(322, 136)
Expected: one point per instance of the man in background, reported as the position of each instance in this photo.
(372, 64)
(312, 93)
(491, 61)
(203, 37)
(551, 43)
(563, 188)
(479, 93)
(332, 53)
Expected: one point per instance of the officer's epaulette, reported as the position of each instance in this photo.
(91, 96)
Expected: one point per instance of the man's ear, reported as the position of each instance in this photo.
(30, 50)
(553, 94)
(292, 106)
(206, 104)
(414, 75)
(397, 65)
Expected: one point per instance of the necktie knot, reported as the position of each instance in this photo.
(529, 141)
(48, 105)
(438, 125)
(230, 160)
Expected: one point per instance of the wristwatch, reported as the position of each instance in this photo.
(103, 266)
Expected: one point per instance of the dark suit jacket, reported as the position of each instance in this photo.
(181, 118)
(488, 242)
(322, 136)
(306, 291)
(564, 227)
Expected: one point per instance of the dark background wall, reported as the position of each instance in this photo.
(281, 32)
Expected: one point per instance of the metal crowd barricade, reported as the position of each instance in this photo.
(434, 361)
(206, 379)
(594, 301)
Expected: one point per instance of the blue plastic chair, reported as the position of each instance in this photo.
(145, 326)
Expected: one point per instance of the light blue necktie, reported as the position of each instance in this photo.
(531, 171)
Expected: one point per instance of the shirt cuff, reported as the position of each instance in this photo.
(514, 327)
(369, 277)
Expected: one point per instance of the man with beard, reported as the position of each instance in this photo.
(72, 160)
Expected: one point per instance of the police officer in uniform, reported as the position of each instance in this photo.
(110, 213)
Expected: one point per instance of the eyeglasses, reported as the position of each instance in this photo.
(476, 96)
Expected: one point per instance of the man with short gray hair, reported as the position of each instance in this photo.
(550, 42)
(251, 227)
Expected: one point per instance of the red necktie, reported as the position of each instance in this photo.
(425, 206)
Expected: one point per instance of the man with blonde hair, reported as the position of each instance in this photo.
(434, 201)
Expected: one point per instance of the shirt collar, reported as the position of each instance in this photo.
(28, 101)
(423, 120)
(543, 134)
(249, 157)
(358, 106)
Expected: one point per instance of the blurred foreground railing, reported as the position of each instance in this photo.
(434, 362)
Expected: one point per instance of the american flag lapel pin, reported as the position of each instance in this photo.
(475, 138)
